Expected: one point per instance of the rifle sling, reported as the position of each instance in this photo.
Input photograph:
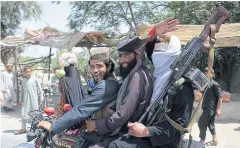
(211, 49)
(172, 93)
(193, 118)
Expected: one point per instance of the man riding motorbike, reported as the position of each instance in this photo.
(97, 104)
(133, 98)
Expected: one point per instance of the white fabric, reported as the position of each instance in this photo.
(8, 81)
(29, 95)
(162, 62)
(4, 85)
(68, 58)
(161, 47)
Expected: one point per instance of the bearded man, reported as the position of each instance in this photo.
(161, 134)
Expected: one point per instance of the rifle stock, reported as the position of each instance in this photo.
(225, 15)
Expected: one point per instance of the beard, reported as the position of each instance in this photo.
(124, 71)
(100, 76)
(9, 70)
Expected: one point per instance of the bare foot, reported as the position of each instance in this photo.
(21, 131)
(211, 143)
(202, 141)
(215, 142)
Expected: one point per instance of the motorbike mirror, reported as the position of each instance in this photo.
(49, 111)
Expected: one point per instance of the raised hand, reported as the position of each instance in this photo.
(165, 26)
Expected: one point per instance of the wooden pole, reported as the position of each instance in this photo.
(44, 71)
(49, 66)
(16, 72)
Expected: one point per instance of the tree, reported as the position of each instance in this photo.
(197, 13)
(12, 13)
(82, 62)
(226, 60)
(109, 15)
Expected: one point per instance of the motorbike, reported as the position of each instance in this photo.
(46, 90)
(42, 137)
(47, 97)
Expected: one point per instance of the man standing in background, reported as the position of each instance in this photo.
(9, 94)
(211, 108)
(54, 86)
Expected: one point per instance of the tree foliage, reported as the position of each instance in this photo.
(197, 12)
(12, 13)
(110, 15)
(226, 60)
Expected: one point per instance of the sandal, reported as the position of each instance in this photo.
(21, 131)
(211, 143)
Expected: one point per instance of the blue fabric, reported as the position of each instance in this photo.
(91, 83)
(102, 94)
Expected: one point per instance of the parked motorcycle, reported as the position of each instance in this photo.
(42, 137)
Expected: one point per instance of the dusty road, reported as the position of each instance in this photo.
(228, 132)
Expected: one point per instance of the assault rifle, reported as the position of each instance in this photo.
(181, 67)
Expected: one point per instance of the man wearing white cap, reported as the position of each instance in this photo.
(9, 94)
(162, 58)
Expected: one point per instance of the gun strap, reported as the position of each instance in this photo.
(191, 123)
(211, 49)
(174, 124)
(172, 92)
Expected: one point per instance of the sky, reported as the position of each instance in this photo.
(54, 15)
